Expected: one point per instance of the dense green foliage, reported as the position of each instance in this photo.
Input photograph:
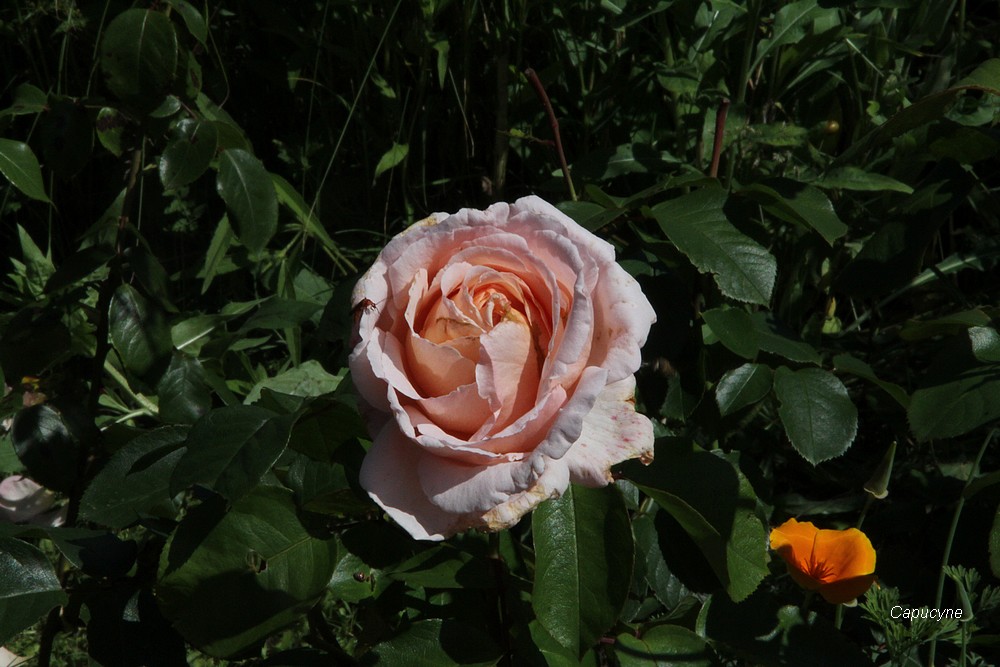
(191, 190)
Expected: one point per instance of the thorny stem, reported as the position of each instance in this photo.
(540, 89)
(951, 534)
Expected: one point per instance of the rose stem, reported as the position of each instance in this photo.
(720, 130)
(498, 573)
(540, 89)
(951, 535)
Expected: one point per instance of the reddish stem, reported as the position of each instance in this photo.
(540, 89)
(720, 130)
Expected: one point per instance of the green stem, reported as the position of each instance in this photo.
(951, 535)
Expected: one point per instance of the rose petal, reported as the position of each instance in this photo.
(622, 319)
(389, 474)
(612, 432)
(459, 488)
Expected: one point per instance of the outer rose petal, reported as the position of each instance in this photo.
(612, 432)
(22, 499)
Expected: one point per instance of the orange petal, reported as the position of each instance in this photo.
(794, 543)
(840, 592)
(843, 554)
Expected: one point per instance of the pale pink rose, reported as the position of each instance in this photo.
(11, 659)
(496, 352)
(22, 499)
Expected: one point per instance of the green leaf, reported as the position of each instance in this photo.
(816, 411)
(444, 566)
(134, 483)
(392, 157)
(139, 54)
(248, 191)
(228, 579)
(589, 215)
(188, 156)
(799, 203)
(789, 27)
(714, 503)
(290, 197)
(583, 564)
(436, 643)
(193, 19)
(985, 77)
(963, 402)
(138, 331)
(28, 587)
(776, 339)
(697, 225)
(277, 313)
(183, 393)
(28, 99)
(742, 386)
(734, 328)
(309, 379)
(110, 127)
(663, 645)
(231, 448)
(857, 179)
(19, 164)
(216, 253)
(845, 363)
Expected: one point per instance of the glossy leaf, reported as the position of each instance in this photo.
(963, 402)
(183, 392)
(985, 344)
(248, 192)
(714, 504)
(230, 449)
(734, 328)
(777, 339)
(28, 99)
(19, 164)
(28, 587)
(187, 157)
(134, 483)
(138, 330)
(193, 19)
(583, 564)
(139, 54)
(816, 411)
(742, 386)
(228, 579)
(848, 364)
(697, 225)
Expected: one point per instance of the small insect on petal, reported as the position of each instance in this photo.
(360, 307)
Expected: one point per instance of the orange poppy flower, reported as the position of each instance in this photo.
(839, 564)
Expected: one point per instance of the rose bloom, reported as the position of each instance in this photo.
(496, 356)
(839, 564)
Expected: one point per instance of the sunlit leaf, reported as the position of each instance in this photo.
(816, 411)
(28, 587)
(19, 164)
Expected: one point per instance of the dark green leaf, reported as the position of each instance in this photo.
(228, 579)
(184, 395)
(799, 203)
(436, 643)
(230, 449)
(193, 19)
(187, 157)
(734, 328)
(110, 127)
(818, 415)
(139, 55)
(789, 27)
(776, 339)
(444, 566)
(697, 225)
(309, 379)
(134, 483)
(848, 364)
(248, 191)
(664, 645)
(28, 99)
(958, 405)
(78, 266)
(857, 179)
(742, 386)
(714, 504)
(985, 344)
(28, 587)
(21, 168)
(279, 313)
(138, 331)
(391, 158)
(216, 252)
(583, 564)
(67, 136)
